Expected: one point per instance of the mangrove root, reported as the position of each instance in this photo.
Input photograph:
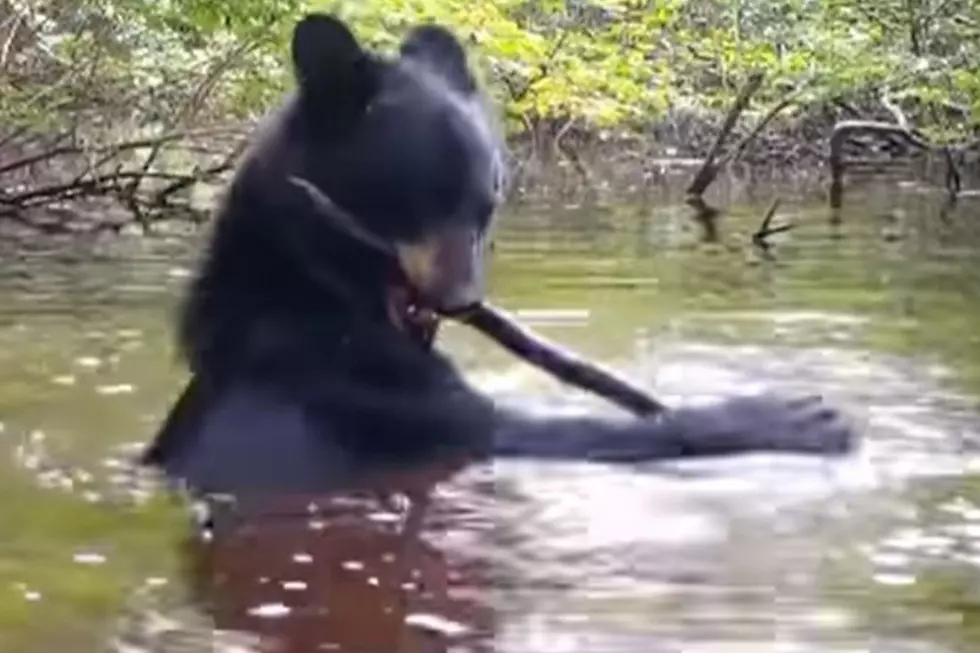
(900, 130)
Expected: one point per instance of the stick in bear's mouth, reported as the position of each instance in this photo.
(558, 361)
(443, 270)
(341, 218)
(495, 324)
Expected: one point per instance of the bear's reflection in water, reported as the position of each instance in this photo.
(355, 571)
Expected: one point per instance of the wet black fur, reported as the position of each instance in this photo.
(298, 379)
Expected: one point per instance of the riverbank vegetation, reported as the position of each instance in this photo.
(144, 104)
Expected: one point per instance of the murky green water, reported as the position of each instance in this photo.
(881, 552)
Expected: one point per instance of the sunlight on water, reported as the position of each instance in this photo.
(907, 418)
(759, 554)
(612, 533)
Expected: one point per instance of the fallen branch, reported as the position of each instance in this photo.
(901, 129)
(705, 214)
(115, 186)
(72, 174)
(843, 131)
(187, 112)
(765, 230)
(182, 182)
(115, 149)
(709, 169)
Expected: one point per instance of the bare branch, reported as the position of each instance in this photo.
(15, 21)
(14, 134)
(897, 114)
(193, 104)
(117, 148)
(739, 149)
(543, 71)
(709, 169)
(765, 230)
(186, 181)
(844, 129)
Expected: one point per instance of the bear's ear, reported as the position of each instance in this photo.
(330, 63)
(438, 49)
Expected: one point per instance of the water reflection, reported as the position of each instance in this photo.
(758, 554)
(719, 556)
(348, 572)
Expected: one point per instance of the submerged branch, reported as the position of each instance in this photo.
(709, 169)
(903, 130)
(845, 129)
(761, 237)
(705, 214)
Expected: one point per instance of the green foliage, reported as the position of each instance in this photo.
(604, 63)
(622, 62)
(546, 60)
(140, 61)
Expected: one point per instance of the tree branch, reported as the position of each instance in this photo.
(709, 169)
(902, 129)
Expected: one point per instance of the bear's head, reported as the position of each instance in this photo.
(400, 150)
(366, 196)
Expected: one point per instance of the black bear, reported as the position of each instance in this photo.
(378, 177)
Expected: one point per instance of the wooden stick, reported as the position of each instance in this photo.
(559, 362)
(709, 169)
(506, 331)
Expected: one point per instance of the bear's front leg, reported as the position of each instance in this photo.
(735, 426)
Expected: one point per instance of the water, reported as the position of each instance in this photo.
(878, 552)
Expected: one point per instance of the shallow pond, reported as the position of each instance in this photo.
(880, 313)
